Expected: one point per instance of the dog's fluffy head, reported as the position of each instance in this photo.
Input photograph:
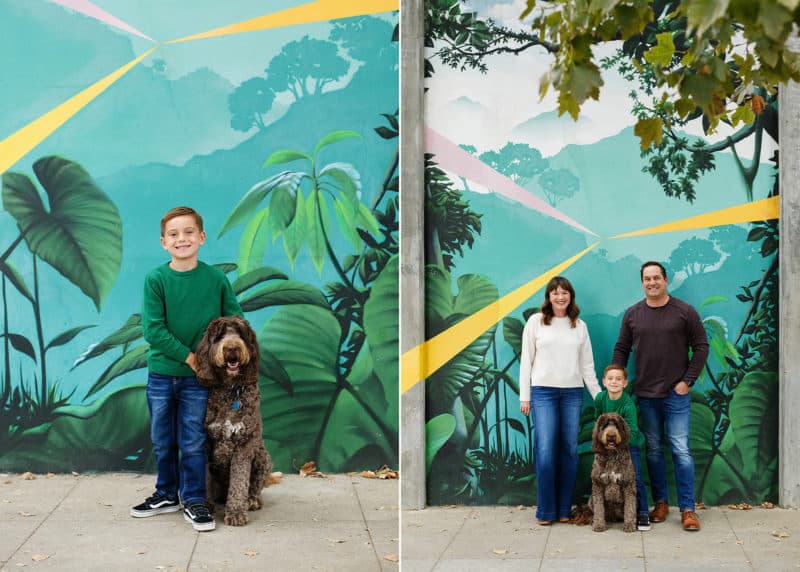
(228, 353)
(611, 433)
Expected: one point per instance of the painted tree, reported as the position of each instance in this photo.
(694, 255)
(517, 161)
(249, 103)
(559, 184)
(304, 67)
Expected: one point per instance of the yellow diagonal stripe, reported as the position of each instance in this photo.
(418, 363)
(765, 209)
(304, 14)
(18, 144)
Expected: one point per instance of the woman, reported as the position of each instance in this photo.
(555, 364)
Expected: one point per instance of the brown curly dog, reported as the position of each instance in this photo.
(613, 478)
(238, 462)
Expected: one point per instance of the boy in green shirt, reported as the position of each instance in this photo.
(180, 299)
(613, 399)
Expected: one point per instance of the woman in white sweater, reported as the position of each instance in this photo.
(555, 364)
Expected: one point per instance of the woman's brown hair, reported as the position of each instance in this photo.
(547, 308)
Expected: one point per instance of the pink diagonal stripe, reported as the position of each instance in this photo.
(86, 7)
(453, 158)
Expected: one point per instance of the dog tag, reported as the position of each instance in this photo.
(236, 405)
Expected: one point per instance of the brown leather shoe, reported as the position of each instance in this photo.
(659, 512)
(690, 520)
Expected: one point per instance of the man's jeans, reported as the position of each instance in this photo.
(556, 421)
(641, 491)
(177, 416)
(674, 412)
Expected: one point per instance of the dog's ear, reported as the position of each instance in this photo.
(624, 431)
(205, 371)
(249, 337)
(597, 447)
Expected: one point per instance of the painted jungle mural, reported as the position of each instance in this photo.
(280, 127)
(514, 190)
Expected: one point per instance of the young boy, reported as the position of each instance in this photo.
(613, 399)
(180, 299)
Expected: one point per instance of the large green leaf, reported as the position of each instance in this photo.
(475, 292)
(333, 138)
(306, 341)
(248, 205)
(754, 425)
(253, 242)
(347, 179)
(129, 361)
(295, 235)
(382, 325)
(21, 344)
(347, 223)
(130, 331)
(512, 334)
(113, 433)
(437, 432)
(281, 293)
(67, 336)
(80, 234)
(284, 156)
(282, 208)
(255, 277)
(10, 271)
(315, 237)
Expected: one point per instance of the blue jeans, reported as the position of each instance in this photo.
(641, 491)
(177, 428)
(673, 412)
(556, 421)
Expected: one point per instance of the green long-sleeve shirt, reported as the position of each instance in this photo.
(176, 310)
(625, 407)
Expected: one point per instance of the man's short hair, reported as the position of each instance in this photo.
(616, 366)
(652, 263)
(181, 211)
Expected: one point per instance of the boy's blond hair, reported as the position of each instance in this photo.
(615, 366)
(181, 211)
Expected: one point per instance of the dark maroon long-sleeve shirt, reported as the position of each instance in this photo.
(660, 339)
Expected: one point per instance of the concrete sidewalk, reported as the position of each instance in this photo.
(68, 523)
(484, 539)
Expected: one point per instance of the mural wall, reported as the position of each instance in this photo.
(516, 193)
(277, 121)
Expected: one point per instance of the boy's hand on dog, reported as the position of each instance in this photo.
(191, 361)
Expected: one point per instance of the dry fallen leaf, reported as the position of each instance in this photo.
(310, 470)
(700, 506)
(8, 482)
(274, 479)
(387, 473)
(767, 504)
(369, 475)
(23, 513)
(28, 476)
(780, 533)
(104, 503)
(336, 540)
(499, 551)
(76, 474)
(21, 564)
(251, 553)
(392, 558)
(40, 557)
(50, 475)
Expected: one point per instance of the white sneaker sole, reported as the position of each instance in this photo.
(154, 511)
(201, 527)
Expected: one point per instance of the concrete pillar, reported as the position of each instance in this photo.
(789, 305)
(412, 243)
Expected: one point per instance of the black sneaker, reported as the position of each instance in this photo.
(155, 504)
(643, 521)
(198, 514)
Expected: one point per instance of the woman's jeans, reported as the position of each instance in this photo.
(674, 412)
(177, 424)
(556, 421)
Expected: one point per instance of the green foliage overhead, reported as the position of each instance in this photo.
(711, 55)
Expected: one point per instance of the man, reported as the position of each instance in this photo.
(662, 330)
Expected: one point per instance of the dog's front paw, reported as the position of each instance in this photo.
(255, 503)
(235, 518)
(599, 526)
(629, 527)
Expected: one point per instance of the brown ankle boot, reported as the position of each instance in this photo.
(659, 512)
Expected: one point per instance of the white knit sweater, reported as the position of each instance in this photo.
(556, 356)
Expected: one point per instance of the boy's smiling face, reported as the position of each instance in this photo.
(182, 239)
(614, 381)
